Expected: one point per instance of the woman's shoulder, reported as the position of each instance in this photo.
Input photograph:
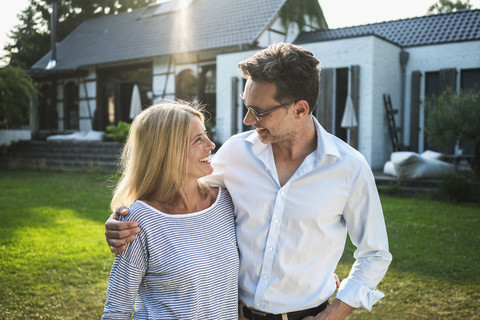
(138, 211)
(223, 196)
(223, 192)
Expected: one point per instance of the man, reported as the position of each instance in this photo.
(297, 190)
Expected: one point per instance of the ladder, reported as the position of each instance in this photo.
(393, 130)
(171, 64)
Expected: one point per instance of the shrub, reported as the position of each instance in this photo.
(453, 116)
(119, 132)
(456, 188)
(16, 90)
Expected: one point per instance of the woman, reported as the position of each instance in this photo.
(184, 262)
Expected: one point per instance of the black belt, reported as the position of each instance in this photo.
(253, 314)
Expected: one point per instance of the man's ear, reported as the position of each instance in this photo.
(301, 108)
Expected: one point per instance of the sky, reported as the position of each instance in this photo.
(338, 13)
(346, 13)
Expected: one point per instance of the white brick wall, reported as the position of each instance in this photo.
(379, 74)
(227, 67)
(85, 123)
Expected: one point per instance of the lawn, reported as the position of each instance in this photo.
(434, 272)
(55, 262)
(54, 258)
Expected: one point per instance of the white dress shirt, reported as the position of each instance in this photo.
(291, 237)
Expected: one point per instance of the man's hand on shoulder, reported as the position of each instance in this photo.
(119, 233)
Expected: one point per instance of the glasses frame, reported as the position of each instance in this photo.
(258, 115)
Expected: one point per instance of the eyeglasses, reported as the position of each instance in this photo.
(258, 115)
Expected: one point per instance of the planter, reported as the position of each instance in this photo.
(7, 136)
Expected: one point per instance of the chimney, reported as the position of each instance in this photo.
(53, 25)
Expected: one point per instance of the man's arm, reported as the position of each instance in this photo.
(363, 215)
(338, 310)
(119, 233)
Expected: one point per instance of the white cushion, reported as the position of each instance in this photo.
(411, 165)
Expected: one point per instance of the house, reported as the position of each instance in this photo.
(193, 51)
(168, 49)
(406, 59)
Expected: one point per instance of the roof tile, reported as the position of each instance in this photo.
(462, 25)
(204, 24)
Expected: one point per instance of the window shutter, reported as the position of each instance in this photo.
(355, 94)
(324, 109)
(415, 110)
(234, 105)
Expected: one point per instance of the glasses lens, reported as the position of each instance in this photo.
(255, 114)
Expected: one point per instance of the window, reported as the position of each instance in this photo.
(186, 85)
(70, 104)
(470, 79)
(432, 84)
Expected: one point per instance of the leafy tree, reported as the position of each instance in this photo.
(31, 38)
(16, 90)
(30, 41)
(448, 5)
(71, 13)
(451, 117)
(295, 11)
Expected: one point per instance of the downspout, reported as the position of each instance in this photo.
(404, 55)
(51, 64)
(53, 38)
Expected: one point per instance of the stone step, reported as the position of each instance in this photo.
(64, 155)
(65, 147)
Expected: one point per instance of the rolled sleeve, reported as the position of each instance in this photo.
(358, 295)
(366, 227)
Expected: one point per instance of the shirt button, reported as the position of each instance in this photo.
(283, 193)
(276, 220)
(265, 276)
(257, 304)
(270, 249)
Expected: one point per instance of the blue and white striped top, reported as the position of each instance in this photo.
(180, 266)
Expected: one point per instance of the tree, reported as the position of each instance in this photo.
(295, 11)
(31, 38)
(448, 5)
(30, 42)
(451, 117)
(16, 90)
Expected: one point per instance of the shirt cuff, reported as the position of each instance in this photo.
(358, 295)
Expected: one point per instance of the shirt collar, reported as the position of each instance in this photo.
(257, 146)
(325, 143)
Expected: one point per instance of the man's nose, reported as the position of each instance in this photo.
(249, 119)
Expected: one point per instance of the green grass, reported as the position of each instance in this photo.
(434, 273)
(54, 262)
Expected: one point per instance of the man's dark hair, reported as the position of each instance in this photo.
(291, 68)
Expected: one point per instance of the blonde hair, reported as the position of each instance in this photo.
(153, 160)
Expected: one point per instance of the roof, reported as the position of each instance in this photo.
(462, 25)
(202, 25)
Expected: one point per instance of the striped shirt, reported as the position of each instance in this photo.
(181, 266)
